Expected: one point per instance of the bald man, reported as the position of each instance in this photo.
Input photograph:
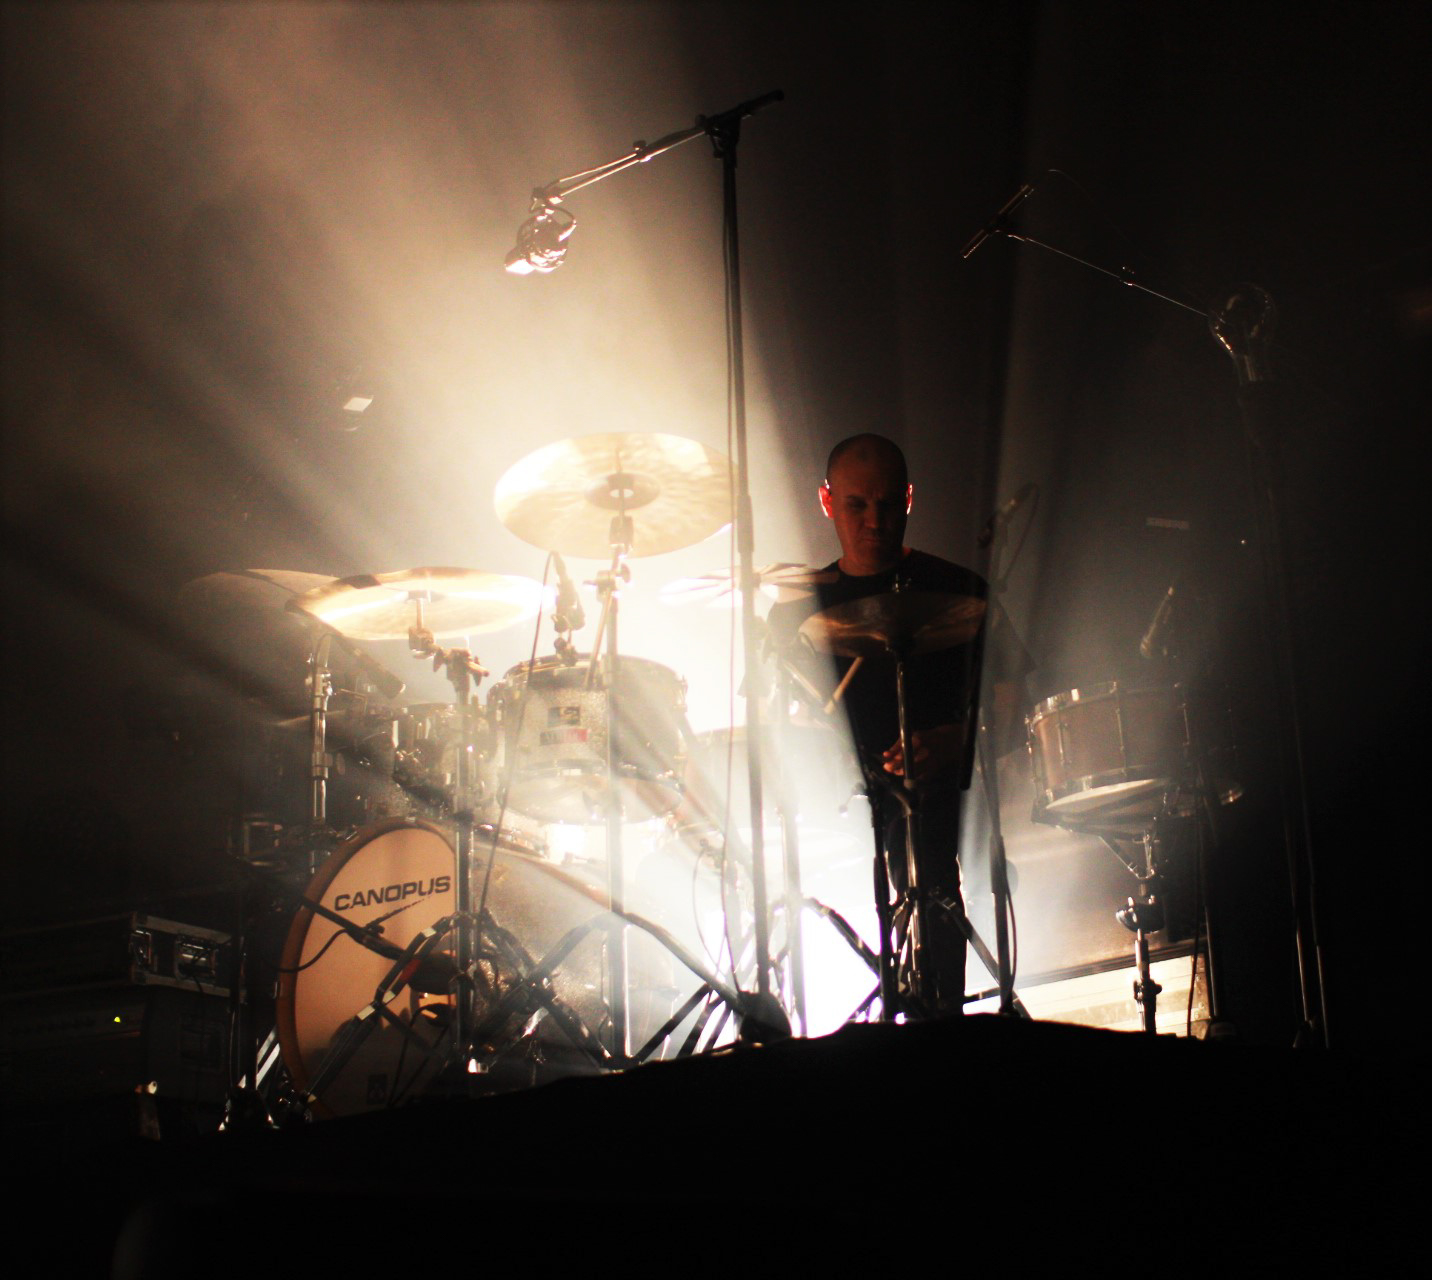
(867, 496)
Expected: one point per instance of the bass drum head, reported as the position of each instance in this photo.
(401, 873)
(398, 873)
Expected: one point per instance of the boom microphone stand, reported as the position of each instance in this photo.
(541, 247)
(1243, 327)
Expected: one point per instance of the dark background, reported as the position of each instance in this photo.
(215, 214)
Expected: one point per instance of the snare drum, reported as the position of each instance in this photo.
(553, 735)
(1106, 750)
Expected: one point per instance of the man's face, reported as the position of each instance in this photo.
(869, 503)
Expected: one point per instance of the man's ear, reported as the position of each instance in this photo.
(824, 492)
(909, 498)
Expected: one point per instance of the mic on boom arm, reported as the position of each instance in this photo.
(542, 239)
(569, 614)
(996, 224)
(1155, 641)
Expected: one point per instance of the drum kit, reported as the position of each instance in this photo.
(435, 940)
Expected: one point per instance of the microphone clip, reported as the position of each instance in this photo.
(542, 239)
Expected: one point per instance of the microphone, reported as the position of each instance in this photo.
(569, 614)
(541, 240)
(1154, 641)
(1002, 514)
(996, 224)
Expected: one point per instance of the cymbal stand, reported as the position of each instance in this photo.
(788, 806)
(608, 584)
(464, 672)
(244, 1105)
(989, 773)
(920, 983)
(902, 925)
(320, 690)
(998, 875)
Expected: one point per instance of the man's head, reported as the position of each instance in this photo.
(867, 494)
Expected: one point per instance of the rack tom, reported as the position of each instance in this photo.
(553, 730)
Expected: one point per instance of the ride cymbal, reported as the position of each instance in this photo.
(569, 497)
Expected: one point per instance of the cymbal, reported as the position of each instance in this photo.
(456, 602)
(906, 623)
(780, 582)
(565, 496)
(259, 589)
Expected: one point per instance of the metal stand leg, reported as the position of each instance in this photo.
(1142, 916)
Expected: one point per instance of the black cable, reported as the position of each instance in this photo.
(340, 932)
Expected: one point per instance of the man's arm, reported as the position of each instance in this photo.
(941, 750)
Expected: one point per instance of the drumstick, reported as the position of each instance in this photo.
(840, 688)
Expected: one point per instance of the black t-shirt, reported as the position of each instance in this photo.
(941, 687)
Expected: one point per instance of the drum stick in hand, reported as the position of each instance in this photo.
(841, 687)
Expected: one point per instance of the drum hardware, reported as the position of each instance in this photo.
(1118, 763)
(624, 495)
(464, 672)
(617, 495)
(320, 689)
(899, 625)
(787, 808)
(1143, 915)
(333, 1021)
(423, 604)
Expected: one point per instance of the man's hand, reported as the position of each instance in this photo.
(936, 751)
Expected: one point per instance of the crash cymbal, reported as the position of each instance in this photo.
(565, 496)
(778, 582)
(904, 622)
(456, 602)
(260, 589)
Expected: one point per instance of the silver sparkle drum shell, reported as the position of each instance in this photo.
(553, 729)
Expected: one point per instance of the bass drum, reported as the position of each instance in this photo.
(539, 1008)
(554, 730)
(1106, 752)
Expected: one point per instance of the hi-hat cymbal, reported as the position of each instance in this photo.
(565, 496)
(779, 582)
(456, 602)
(906, 623)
